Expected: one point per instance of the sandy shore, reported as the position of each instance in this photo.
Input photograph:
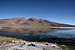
(30, 46)
(8, 43)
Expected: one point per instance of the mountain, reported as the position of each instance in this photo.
(29, 25)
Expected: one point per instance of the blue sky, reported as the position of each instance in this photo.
(62, 11)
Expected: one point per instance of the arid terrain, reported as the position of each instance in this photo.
(9, 43)
(29, 25)
(10, 39)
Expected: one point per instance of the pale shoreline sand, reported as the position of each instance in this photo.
(8, 43)
(30, 46)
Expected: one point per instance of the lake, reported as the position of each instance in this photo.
(52, 34)
(62, 37)
(63, 33)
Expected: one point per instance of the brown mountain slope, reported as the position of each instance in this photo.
(28, 25)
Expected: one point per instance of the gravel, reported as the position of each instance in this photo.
(30, 46)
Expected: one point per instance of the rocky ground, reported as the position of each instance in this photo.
(30, 46)
(17, 44)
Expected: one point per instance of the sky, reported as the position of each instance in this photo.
(62, 11)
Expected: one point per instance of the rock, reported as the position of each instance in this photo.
(30, 46)
(24, 48)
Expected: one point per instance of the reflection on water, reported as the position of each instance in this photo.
(63, 33)
(48, 37)
(56, 33)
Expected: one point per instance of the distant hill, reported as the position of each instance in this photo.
(29, 25)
